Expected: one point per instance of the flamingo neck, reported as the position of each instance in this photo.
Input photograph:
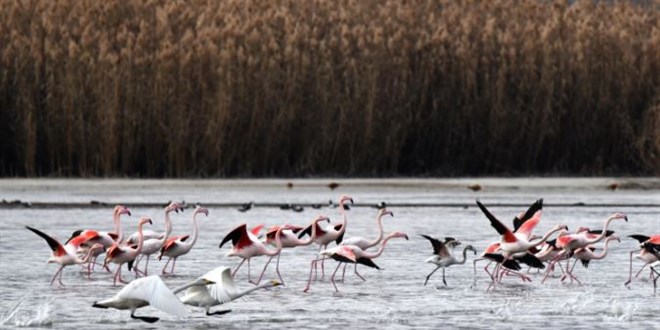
(140, 239)
(379, 221)
(464, 256)
(380, 249)
(602, 234)
(311, 237)
(194, 230)
(168, 226)
(278, 244)
(85, 259)
(118, 230)
(544, 238)
(342, 210)
(602, 255)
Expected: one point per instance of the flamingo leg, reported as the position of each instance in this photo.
(429, 276)
(277, 269)
(173, 264)
(640, 270)
(237, 268)
(443, 276)
(358, 274)
(630, 269)
(311, 271)
(146, 266)
(119, 277)
(343, 273)
(59, 271)
(332, 278)
(263, 271)
(655, 280)
(164, 268)
(136, 264)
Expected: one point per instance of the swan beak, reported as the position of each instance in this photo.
(276, 283)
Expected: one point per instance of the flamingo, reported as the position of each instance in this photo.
(326, 235)
(363, 243)
(571, 242)
(179, 245)
(586, 254)
(66, 255)
(104, 238)
(152, 245)
(491, 254)
(648, 253)
(143, 292)
(247, 246)
(289, 240)
(123, 254)
(150, 234)
(215, 288)
(442, 256)
(511, 243)
(351, 254)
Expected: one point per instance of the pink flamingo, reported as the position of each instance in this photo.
(153, 245)
(351, 254)
(365, 244)
(66, 255)
(571, 242)
(179, 245)
(326, 235)
(491, 254)
(122, 254)
(104, 238)
(247, 246)
(289, 240)
(586, 254)
(648, 253)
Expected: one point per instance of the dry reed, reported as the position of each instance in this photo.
(350, 87)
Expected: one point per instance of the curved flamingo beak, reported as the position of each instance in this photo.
(390, 213)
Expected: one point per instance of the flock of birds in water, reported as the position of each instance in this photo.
(516, 246)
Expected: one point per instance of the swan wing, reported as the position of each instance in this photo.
(152, 290)
(224, 289)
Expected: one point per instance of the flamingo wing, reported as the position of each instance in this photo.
(74, 235)
(592, 233)
(508, 263)
(256, 229)
(341, 236)
(506, 233)
(367, 262)
(655, 239)
(531, 260)
(347, 253)
(58, 249)
(640, 238)
(152, 289)
(439, 247)
(527, 221)
(235, 235)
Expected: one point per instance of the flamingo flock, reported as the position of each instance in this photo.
(511, 247)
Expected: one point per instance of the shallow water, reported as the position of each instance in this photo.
(392, 298)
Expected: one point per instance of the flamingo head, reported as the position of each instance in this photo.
(144, 220)
(200, 209)
(619, 216)
(471, 248)
(399, 234)
(560, 227)
(384, 211)
(121, 209)
(345, 198)
(174, 206)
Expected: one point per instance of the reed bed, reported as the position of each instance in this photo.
(349, 87)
